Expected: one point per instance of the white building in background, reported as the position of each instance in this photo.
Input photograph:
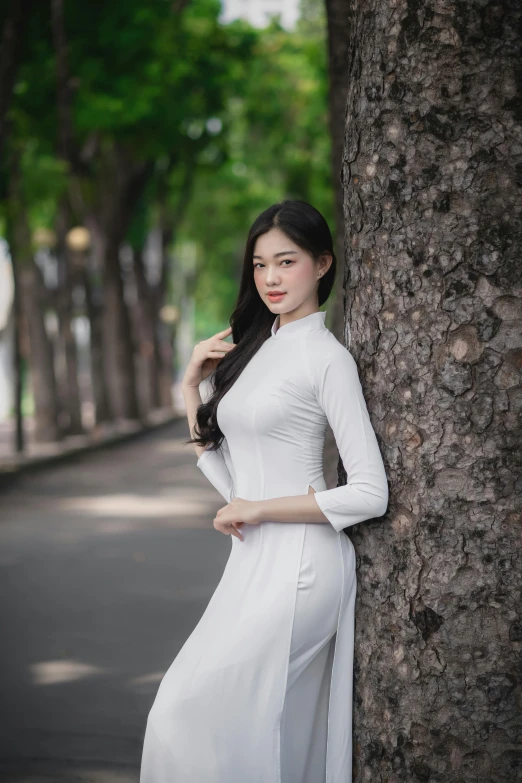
(258, 12)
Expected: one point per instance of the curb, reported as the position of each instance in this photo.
(9, 472)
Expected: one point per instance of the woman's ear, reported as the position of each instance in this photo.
(325, 262)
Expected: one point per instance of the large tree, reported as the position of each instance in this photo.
(125, 98)
(431, 174)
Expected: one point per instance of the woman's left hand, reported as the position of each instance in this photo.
(235, 514)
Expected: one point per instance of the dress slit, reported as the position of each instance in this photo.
(287, 659)
(315, 620)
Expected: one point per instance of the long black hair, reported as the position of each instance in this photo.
(251, 320)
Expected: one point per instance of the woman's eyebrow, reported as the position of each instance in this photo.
(283, 253)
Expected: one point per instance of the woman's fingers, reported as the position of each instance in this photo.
(215, 353)
(228, 529)
(218, 352)
(237, 533)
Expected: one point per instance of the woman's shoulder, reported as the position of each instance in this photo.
(324, 346)
(325, 357)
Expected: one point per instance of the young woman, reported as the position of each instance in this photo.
(261, 692)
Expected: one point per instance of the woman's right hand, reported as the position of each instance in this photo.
(206, 356)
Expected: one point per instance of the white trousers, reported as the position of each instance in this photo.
(305, 715)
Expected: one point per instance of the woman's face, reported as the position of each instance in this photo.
(281, 265)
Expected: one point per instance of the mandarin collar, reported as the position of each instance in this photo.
(307, 323)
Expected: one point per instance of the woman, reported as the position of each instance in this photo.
(261, 692)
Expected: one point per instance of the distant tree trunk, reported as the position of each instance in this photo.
(148, 320)
(100, 391)
(432, 174)
(119, 188)
(118, 347)
(31, 299)
(73, 397)
(17, 359)
(169, 223)
(68, 279)
(164, 343)
(43, 380)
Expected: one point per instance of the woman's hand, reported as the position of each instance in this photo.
(206, 356)
(238, 512)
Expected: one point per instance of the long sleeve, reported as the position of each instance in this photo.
(212, 463)
(340, 395)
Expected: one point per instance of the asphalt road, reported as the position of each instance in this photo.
(106, 565)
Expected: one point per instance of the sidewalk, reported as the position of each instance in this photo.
(38, 454)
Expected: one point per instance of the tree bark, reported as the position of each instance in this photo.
(69, 277)
(339, 30)
(30, 297)
(338, 34)
(118, 347)
(149, 316)
(108, 225)
(43, 379)
(100, 390)
(20, 440)
(431, 176)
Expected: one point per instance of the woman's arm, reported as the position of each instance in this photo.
(192, 397)
(211, 463)
(365, 496)
(293, 508)
(196, 390)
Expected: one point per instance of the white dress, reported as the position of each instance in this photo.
(261, 692)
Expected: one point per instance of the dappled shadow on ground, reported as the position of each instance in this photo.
(106, 567)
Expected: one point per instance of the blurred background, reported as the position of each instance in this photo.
(138, 142)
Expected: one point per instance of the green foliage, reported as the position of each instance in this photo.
(241, 113)
(278, 147)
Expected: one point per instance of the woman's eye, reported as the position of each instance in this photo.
(285, 261)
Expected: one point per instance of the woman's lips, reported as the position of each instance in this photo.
(276, 297)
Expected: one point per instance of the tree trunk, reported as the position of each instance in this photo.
(20, 440)
(338, 28)
(119, 189)
(118, 348)
(69, 277)
(100, 390)
(164, 337)
(170, 219)
(148, 328)
(30, 299)
(431, 175)
(43, 380)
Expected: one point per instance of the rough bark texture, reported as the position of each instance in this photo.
(338, 34)
(339, 29)
(432, 172)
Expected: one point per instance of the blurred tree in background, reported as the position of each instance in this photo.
(138, 143)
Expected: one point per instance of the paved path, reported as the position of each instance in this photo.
(106, 566)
